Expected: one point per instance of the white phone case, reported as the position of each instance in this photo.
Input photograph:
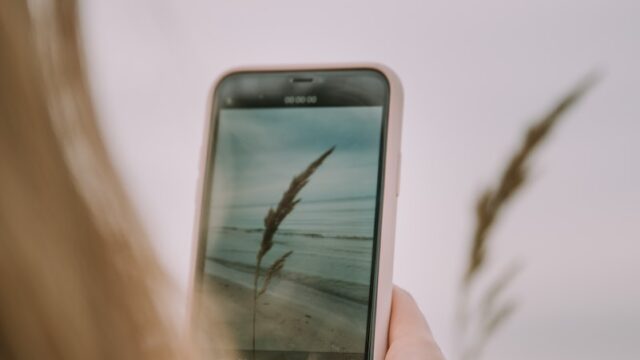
(390, 192)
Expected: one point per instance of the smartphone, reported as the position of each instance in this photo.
(297, 213)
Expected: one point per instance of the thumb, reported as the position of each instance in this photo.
(409, 333)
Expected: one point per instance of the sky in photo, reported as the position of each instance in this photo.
(260, 150)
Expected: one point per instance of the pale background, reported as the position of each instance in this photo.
(474, 74)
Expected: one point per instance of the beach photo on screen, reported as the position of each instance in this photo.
(318, 302)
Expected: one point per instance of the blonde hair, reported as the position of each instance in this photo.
(78, 279)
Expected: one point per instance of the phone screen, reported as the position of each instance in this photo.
(289, 237)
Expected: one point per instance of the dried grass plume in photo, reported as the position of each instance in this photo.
(272, 222)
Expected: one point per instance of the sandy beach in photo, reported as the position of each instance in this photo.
(282, 324)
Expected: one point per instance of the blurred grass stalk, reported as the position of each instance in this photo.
(478, 321)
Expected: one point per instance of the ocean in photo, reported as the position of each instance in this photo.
(331, 242)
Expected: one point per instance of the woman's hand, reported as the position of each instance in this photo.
(409, 334)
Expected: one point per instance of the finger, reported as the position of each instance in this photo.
(406, 318)
(409, 333)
